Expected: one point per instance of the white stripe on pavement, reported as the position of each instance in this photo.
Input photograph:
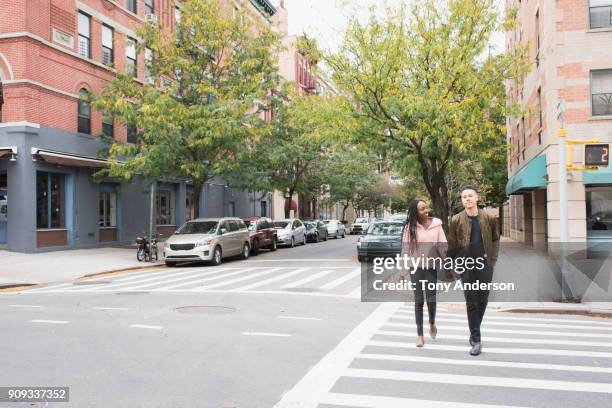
(486, 322)
(335, 283)
(50, 321)
(173, 279)
(199, 281)
(375, 401)
(232, 281)
(465, 328)
(516, 340)
(307, 279)
(476, 380)
(50, 288)
(483, 363)
(299, 318)
(146, 326)
(266, 334)
(29, 306)
(110, 308)
(500, 350)
(267, 281)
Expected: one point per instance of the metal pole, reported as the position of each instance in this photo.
(567, 277)
(152, 220)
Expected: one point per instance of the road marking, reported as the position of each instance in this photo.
(50, 321)
(464, 328)
(50, 288)
(242, 278)
(31, 306)
(476, 380)
(500, 350)
(266, 334)
(110, 308)
(146, 326)
(267, 281)
(483, 363)
(199, 281)
(337, 282)
(299, 318)
(486, 322)
(375, 401)
(355, 293)
(322, 376)
(506, 339)
(167, 279)
(306, 279)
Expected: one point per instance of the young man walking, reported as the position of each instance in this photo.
(473, 233)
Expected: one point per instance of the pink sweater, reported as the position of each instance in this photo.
(429, 240)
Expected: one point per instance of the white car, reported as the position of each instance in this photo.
(290, 232)
(360, 225)
(335, 228)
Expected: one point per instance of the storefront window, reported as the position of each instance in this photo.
(165, 207)
(108, 211)
(50, 200)
(599, 211)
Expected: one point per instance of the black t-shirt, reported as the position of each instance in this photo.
(476, 243)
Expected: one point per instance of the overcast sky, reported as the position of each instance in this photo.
(325, 20)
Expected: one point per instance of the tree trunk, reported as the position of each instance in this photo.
(288, 203)
(439, 199)
(345, 207)
(197, 192)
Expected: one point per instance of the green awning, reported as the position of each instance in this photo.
(601, 176)
(530, 177)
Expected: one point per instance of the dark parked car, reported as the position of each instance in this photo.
(315, 231)
(382, 239)
(261, 233)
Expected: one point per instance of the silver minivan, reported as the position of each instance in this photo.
(208, 239)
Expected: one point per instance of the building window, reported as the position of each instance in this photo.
(108, 210)
(149, 7)
(537, 35)
(165, 207)
(107, 124)
(600, 13)
(132, 134)
(84, 113)
(540, 123)
(148, 63)
(190, 206)
(84, 35)
(601, 92)
(107, 45)
(131, 5)
(264, 208)
(231, 209)
(49, 200)
(599, 211)
(131, 64)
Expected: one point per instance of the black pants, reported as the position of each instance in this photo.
(429, 276)
(476, 300)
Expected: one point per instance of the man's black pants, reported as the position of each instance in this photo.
(476, 300)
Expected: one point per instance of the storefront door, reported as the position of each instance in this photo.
(3, 209)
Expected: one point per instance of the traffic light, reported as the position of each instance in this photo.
(596, 154)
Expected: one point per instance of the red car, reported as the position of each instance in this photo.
(261, 233)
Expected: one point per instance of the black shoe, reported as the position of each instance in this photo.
(475, 350)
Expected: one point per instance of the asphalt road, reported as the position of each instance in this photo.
(286, 329)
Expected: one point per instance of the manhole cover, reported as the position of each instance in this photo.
(79, 283)
(205, 309)
(302, 290)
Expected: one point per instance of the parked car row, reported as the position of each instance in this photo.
(213, 239)
(381, 239)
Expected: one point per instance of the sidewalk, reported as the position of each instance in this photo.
(18, 268)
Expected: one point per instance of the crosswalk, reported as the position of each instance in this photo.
(341, 281)
(527, 361)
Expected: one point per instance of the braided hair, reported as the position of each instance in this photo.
(411, 223)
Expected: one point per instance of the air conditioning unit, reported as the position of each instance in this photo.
(151, 18)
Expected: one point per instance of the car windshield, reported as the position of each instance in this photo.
(361, 220)
(386, 228)
(281, 224)
(198, 227)
(310, 225)
(251, 225)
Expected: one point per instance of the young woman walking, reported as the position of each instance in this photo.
(424, 238)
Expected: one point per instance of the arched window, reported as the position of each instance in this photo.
(84, 112)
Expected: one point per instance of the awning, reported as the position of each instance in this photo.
(530, 177)
(7, 151)
(71, 160)
(601, 176)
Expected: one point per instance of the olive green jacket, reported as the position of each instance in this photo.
(461, 228)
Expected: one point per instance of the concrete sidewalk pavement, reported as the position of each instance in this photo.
(47, 267)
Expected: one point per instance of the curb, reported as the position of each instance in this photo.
(118, 271)
(555, 311)
(15, 287)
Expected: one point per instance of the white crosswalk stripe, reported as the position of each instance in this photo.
(542, 356)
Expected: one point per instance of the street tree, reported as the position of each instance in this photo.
(423, 85)
(200, 106)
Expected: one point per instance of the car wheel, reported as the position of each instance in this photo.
(343, 234)
(217, 256)
(245, 251)
(336, 236)
(273, 245)
(317, 237)
(360, 258)
(292, 242)
(140, 255)
(170, 264)
(255, 250)
(304, 242)
(325, 239)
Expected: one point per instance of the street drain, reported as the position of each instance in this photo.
(206, 309)
(302, 290)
